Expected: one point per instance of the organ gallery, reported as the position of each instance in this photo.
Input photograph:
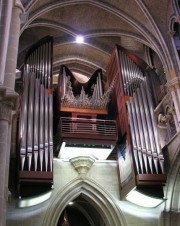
(89, 113)
(85, 117)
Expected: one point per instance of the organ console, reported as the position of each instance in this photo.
(36, 118)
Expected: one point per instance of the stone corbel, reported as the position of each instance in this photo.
(82, 164)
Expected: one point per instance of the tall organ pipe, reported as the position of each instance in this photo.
(135, 123)
(144, 122)
(30, 120)
(133, 136)
(23, 122)
(140, 128)
(41, 127)
(149, 125)
(152, 118)
(46, 130)
(51, 129)
(123, 72)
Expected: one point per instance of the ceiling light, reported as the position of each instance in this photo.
(79, 39)
(71, 203)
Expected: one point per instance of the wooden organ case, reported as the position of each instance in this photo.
(83, 116)
(35, 168)
(141, 163)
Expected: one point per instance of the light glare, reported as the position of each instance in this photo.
(79, 39)
(72, 152)
(143, 200)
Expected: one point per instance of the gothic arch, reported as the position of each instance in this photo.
(172, 205)
(172, 32)
(176, 6)
(96, 195)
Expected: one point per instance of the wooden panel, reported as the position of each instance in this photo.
(151, 179)
(86, 111)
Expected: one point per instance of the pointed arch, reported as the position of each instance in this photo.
(95, 195)
(176, 6)
(172, 205)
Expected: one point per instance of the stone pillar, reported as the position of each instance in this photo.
(5, 20)
(5, 119)
(10, 69)
(174, 87)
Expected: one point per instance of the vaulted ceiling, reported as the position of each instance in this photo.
(132, 24)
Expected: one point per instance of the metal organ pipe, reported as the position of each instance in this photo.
(153, 119)
(41, 127)
(30, 120)
(123, 71)
(46, 130)
(23, 119)
(51, 130)
(36, 122)
(147, 114)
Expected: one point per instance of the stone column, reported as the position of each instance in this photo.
(174, 87)
(5, 20)
(5, 119)
(10, 69)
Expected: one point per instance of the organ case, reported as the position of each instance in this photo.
(138, 138)
(35, 166)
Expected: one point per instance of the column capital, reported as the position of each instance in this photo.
(10, 97)
(171, 33)
(5, 111)
(18, 4)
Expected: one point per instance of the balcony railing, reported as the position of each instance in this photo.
(88, 128)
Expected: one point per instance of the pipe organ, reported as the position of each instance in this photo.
(83, 117)
(36, 117)
(90, 95)
(136, 120)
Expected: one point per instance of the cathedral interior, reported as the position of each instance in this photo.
(89, 113)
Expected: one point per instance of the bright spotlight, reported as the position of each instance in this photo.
(79, 39)
(71, 203)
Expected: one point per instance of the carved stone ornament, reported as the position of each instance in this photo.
(5, 112)
(171, 33)
(82, 164)
(18, 4)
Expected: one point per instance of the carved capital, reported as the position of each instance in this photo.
(5, 112)
(82, 164)
(171, 33)
(18, 4)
